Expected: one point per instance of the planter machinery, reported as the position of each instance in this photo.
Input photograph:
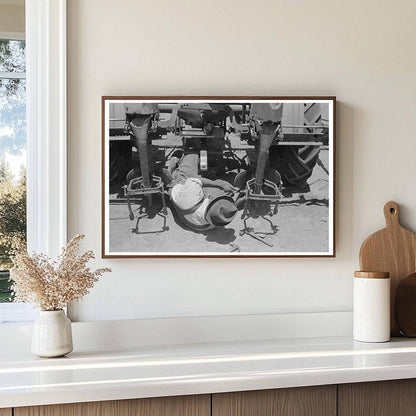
(279, 144)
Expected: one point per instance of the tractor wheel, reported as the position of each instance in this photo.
(120, 159)
(294, 163)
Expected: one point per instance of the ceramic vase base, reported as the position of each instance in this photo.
(54, 352)
(52, 335)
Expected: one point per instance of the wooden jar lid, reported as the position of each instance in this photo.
(372, 275)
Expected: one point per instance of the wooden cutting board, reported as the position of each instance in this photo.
(393, 250)
(405, 306)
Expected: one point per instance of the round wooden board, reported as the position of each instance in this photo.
(393, 250)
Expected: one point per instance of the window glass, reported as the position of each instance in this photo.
(12, 156)
(12, 56)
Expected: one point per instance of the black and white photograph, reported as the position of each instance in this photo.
(218, 176)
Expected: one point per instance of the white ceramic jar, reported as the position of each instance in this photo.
(371, 305)
(52, 334)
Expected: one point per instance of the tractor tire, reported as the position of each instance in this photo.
(294, 163)
(120, 160)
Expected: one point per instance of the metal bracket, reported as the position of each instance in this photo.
(136, 189)
(273, 198)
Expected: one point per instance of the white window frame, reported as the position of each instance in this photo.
(12, 35)
(46, 127)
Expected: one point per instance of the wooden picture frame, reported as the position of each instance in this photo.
(278, 151)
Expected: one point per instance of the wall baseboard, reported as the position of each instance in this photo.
(103, 335)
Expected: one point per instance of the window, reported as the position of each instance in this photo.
(45, 90)
(12, 154)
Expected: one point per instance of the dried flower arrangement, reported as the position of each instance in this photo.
(53, 285)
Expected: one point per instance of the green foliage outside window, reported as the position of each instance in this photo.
(12, 223)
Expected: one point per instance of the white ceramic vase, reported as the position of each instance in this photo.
(52, 334)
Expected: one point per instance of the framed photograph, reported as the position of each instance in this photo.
(218, 176)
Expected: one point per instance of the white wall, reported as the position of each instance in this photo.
(361, 51)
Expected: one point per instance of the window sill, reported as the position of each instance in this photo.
(16, 313)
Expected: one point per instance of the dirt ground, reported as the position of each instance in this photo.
(301, 225)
